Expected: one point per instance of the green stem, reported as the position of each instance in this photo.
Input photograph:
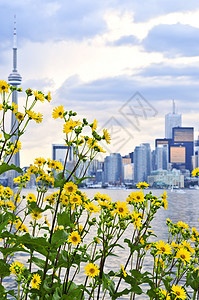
(18, 291)
(194, 295)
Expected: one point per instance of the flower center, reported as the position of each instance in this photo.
(92, 270)
(121, 209)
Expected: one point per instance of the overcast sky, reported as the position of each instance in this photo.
(120, 62)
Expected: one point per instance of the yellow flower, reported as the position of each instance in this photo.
(10, 205)
(64, 199)
(104, 204)
(15, 148)
(142, 185)
(36, 281)
(99, 149)
(92, 207)
(48, 97)
(91, 143)
(39, 96)
(179, 292)
(102, 197)
(195, 172)
(19, 116)
(8, 192)
(46, 222)
(176, 246)
(123, 271)
(184, 255)
(188, 246)
(137, 219)
(20, 226)
(75, 199)
(4, 86)
(39, 161)
(137, 197)
(107, 136)
(182, 225)
(91, 270)
(160, 262)
(148, 246)
(16, 268)
(122, 209)
(74, 238)
(14, 108)
(58, 112)
(70, 187)
(31, 197)
(94, 125)
(17, 198)
(163, 248)
(69, 125)
(165, 294)
(165, 203)
(59, 166)
(36, 214)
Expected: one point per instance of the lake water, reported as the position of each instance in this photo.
(181, 207)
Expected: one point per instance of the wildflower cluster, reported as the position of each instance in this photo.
(53, 224)
(9, 138)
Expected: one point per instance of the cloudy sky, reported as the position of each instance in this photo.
(120, 62)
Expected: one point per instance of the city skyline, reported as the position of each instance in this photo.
(95, 57)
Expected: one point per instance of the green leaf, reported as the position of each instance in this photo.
(60, 180)
(108, 284)
(74, 292)
(10, 250)
(4, 268)
(79, 180)
(5, 167)
(57, 294)
(193, 280)
(38, 244)
(131, 246)
(59, 238)
(64, 219)
(6, 135)
(38, 262)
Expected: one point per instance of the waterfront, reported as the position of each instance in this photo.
(181, 207)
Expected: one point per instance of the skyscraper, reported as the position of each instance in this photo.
(172, 120)
(142, 162)
(182, 148)
(113, 173)
(14, 79)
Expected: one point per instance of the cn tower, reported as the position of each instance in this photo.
(14, 79)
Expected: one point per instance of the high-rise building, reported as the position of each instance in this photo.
(142, 162)
(14, 79)
(162, 154)
(172, 120)
(182, 148)
(59, 152)
(113, 172)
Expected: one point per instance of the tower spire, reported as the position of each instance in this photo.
(173, 107)
(15, 46)
(14, 78)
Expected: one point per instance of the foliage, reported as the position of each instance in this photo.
(61, 247)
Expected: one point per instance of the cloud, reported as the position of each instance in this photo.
(163, 69)
(130, 40)
(173, 40)
(45, 20)
(154, 8)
